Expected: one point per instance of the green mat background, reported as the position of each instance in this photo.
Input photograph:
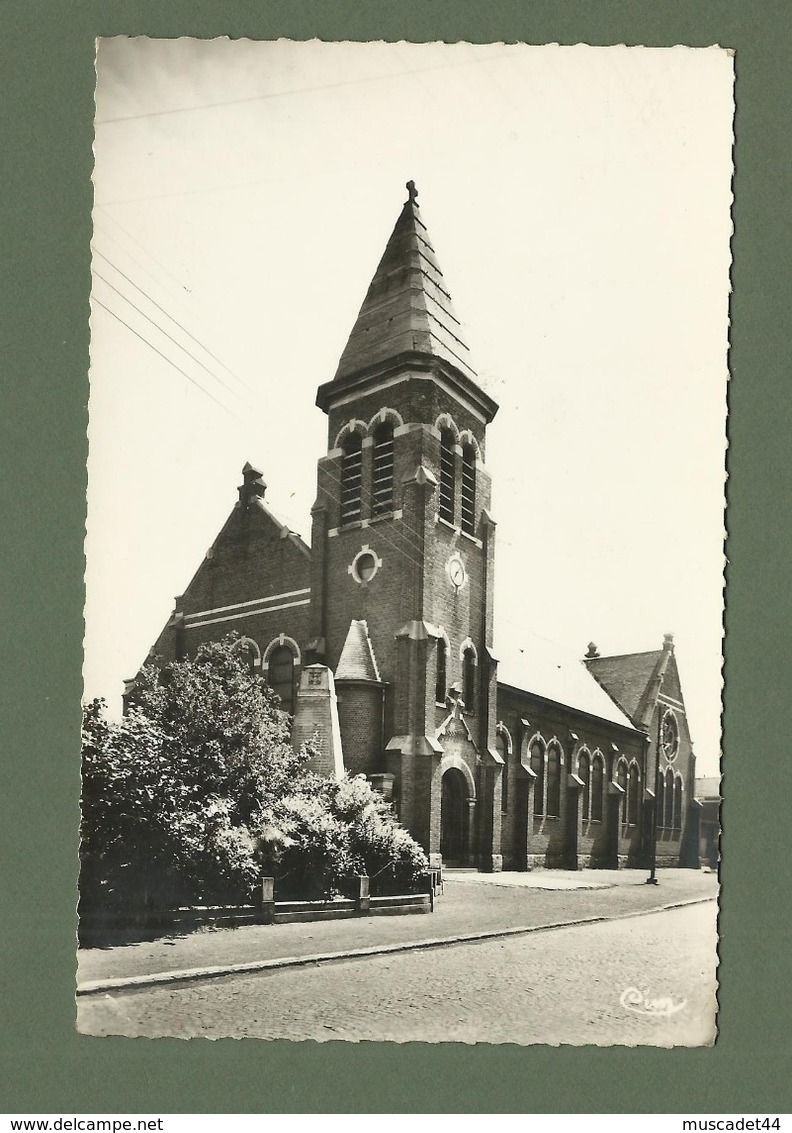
(46, 106)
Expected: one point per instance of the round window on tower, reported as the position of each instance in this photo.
(364, 566)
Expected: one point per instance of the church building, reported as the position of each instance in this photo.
(378, 638)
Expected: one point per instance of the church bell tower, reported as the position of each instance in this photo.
(403, 556)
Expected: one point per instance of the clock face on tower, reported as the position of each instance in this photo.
(455, 569)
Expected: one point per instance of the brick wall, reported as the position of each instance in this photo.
(255, 580)
(411, 585)
(360, 721)
(262, 581)
(571, 838)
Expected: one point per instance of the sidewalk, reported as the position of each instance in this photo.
(471, 903)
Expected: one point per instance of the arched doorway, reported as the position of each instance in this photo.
(454, 818)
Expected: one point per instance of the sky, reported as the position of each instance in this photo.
(579, 203)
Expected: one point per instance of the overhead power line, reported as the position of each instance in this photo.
(299, 91)
(135, 240)
(170, 361)
(162, 330)
(176, 322)
(107, 234)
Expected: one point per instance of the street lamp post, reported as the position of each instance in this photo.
(652, 878)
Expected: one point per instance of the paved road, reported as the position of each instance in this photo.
(471, 903)
(556, 986)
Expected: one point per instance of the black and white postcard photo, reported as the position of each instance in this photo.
(405, 567)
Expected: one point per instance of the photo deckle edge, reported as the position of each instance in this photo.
(361, 767)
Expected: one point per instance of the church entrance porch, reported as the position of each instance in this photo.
(455, 816)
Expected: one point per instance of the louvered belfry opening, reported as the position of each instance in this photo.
(468, 489)
(383, 469)
(351, 479)
(447, 475)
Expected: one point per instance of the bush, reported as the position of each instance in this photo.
(380, 847)
(326, 832)
(315, 859)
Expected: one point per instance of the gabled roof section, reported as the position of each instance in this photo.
(625, 678)
(546, 670)
(249, 518)
(635, 680)
(708, 787)
(285, 532)
(672, 686)
(357, 661)
(407, 308)
(252, 491)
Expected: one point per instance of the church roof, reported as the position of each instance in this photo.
(357, 661)
(547, 670)
(626, 677)
(708, 787)
(408, 307)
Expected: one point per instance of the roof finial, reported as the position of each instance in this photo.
(411, 189)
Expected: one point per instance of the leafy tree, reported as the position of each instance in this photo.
(171, 792)
(197, 791)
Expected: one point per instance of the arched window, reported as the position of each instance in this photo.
(447, 475)
(597, 788)
(441, 672)
(633, 795)
(351, 478)
(469, 489)
(280, 675)
(621, 781)
(383, 468)
(503, 751)
(677, 822)
(668, 802)
(553, 781)
(538, 768)
(584, 774)
(660, 801)
(469, 679)
(250, 652)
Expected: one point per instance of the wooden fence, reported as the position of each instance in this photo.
(361, 904)
(96, 927)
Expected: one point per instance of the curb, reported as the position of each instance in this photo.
(251, 967)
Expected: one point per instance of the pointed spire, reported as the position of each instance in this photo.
(408, 307)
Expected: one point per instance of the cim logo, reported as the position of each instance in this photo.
(641, 1003)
